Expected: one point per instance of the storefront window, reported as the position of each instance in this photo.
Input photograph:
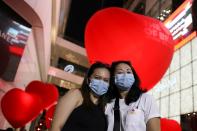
(71, 67)
(189, 122)
(161, 9)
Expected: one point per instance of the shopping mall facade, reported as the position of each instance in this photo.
(55, 45)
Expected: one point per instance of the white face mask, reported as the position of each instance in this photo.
(124, 81)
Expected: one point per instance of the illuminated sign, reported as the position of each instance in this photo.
(180, 22)
(69, 68)
(14, 32)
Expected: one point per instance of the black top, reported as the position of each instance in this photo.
(83, 119)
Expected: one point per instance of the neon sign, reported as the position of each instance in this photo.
(180, 22)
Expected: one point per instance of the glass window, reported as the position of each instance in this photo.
(189, 122)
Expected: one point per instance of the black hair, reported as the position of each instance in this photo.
(134, 93)
(85, 89)
(9, 129)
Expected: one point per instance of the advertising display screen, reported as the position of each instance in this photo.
(14, 32)
(180, 22)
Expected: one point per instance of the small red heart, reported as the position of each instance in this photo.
(169, 125)
(49, 116)
(20, 107)
(47, 92)
(117, 34)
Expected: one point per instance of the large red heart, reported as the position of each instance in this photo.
(20, 107)
(117, 34)
(48, 92)
(169, 125)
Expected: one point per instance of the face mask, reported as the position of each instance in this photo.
(99, 87)
(124, 81)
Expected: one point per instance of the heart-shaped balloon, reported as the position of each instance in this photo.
(47, 92)
(117, 34)
(169, 125)
(20, 107)
(49, 116)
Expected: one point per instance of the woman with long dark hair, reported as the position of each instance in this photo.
(83, 109)
(131, 109)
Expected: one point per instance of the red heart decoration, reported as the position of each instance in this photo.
(169, 125)
(47, 92)
(20, 107)
(117, 34)
(49, 116)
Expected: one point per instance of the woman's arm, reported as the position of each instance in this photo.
(153, 124)
(64, 108)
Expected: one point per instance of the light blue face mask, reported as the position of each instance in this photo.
(99, 87)
(124, 81)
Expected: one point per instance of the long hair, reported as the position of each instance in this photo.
(85, 89)
(134, 92)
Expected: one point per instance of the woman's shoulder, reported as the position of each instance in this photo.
(73, 95)
(111, 102)
(109, 105)
(146, 96)
(74, 91)
(147, 99)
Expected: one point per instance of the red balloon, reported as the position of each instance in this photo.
(20, 107)
(49, 116)
(169, 125)
(117, 34)
(48, 92)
